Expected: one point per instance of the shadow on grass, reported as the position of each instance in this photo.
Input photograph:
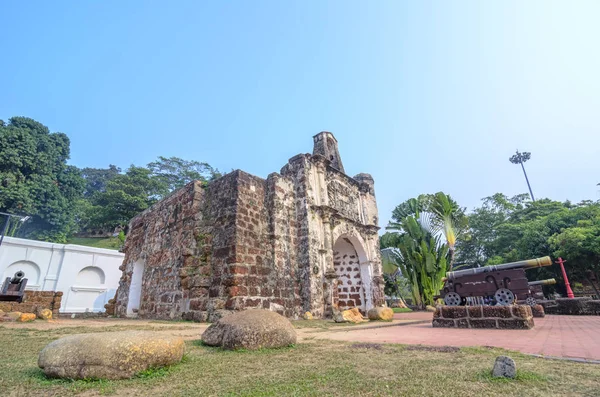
(522, 376)
(200, 343)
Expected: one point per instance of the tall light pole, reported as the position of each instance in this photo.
(22, 219)
(520, 158)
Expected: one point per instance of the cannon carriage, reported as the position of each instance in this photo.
(13, 288)
(496, 284)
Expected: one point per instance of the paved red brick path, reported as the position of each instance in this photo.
(557, 336)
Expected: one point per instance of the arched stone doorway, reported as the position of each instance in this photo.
(353, 274)
(135, 289)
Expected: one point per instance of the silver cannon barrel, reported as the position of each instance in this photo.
(549, 281)
(527, 264)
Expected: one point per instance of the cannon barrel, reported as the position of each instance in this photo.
(549, 281)
(17, 277)
(528, 264)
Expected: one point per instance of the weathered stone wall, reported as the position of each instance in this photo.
(501, 317)
(163, 238)
(583, 306)
(34, 302)
(246, 242)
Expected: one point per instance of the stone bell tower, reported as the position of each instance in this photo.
(327, 146)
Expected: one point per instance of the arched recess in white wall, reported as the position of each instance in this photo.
(91, 276)
(89, 291)
(31, 270)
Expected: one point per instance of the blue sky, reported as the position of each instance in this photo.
(425, 96)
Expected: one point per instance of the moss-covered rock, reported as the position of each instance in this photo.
(251, 329)
(381, 313)
(109, 355)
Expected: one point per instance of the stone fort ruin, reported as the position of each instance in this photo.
(303, 240)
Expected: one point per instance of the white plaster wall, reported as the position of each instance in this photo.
(88, 277)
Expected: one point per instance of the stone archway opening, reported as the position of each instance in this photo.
(350, 291)
(135, 289)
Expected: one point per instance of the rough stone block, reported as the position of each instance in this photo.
(475, 311)
(515, 323)
(454, 311)
(538, 311)
(497, 312)
(462, 323)
(483, 323)
(521, 311)
(442, 323)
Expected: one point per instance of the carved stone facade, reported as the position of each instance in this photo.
(284, 244)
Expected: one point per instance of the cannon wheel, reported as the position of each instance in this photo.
(504, 297)
(452, 299)
(531, 301)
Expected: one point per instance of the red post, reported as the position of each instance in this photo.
(561, 262)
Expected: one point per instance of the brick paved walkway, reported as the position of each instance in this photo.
(557, 336)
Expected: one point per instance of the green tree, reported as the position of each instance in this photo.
(124, 196)
(175, 172)
(427, 228)
(580, 247)
(96, 179)
(36, 180)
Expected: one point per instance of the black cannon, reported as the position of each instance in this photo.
(13, 288)
(497, 284)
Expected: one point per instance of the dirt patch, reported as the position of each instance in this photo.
(438, 349)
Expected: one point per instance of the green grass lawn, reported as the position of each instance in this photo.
(97, 242)
(312, 368)
(401, 310)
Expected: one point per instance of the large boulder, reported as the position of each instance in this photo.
(109, 355)
(381, 313)
(251, 329)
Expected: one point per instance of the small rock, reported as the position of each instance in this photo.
(13, 315)
(2, 313)
(430, 308)
(338, 318)
(45, 314)
(538, 311)
(251, 329)
(381, 313)
(109, 355)
(504, 367)
(353, 315)
(26, 317)
(307, 316)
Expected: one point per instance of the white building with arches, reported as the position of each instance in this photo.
(87, 276)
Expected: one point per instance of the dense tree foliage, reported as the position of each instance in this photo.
(175, 172)
(96, 179)
(36, 180)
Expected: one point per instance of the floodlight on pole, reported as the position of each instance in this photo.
(521, 158)
(22, 219)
